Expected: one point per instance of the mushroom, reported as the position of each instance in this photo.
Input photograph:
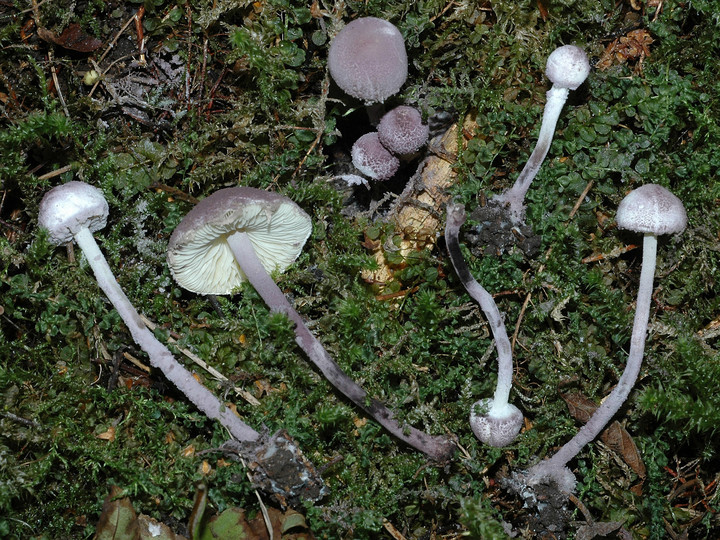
(372, 159)
(367, 60)
(494, 421)
(401, 130)
(240, 234)
(72, 212)
(567, 68)
(651, 210)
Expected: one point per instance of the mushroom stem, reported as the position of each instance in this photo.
(500, 425)
(514, 197)
(556, 465)
(436, 447)
(455, 219)
(160, 356)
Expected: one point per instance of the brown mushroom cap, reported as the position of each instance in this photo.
(651, 209)
(367, 59)
(200, 258)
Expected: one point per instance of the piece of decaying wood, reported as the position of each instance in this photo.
(417, 214)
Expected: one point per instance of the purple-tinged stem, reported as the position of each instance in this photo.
(515, 196)
(437, 447)
(556, 466)
(160, 356)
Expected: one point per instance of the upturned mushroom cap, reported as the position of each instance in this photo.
(367, 59)
(651, 209)
(495, 430)
(401, 130)
(68, 208)
(567, 67)
(372, 159)
(200, 258)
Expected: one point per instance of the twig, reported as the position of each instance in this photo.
(56, 172)
(19, 419)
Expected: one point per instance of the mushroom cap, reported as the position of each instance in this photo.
(651, 209)
(401, 130)
(567, 67)
(68, 208)
(495, 430)
(199, 257)
(372, 158)
(367, 59)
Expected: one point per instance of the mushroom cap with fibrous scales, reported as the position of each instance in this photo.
(367, 59)
(372, 159)
(401, 130)
(651, 209)
(201, 260)
(67, 208)
(567, 67)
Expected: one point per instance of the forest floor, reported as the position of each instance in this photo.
(159, 104)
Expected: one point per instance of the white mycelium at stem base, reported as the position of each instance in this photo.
(567, 68)
(241, 234)
(651, 210)
(73, 211)
(495, 421)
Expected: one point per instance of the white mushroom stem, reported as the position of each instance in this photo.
(436, 447)
(515, 196)
(160, 356)
(502, 422)
(555, 467)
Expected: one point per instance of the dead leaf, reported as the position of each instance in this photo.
(591, 530)
(632, 47)
(615, 436)
(72, 38)
(108, 435)
(117, 520)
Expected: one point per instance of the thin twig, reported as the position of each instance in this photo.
(247, 396)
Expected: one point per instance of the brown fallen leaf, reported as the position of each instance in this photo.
(72, 38)
(615, 436)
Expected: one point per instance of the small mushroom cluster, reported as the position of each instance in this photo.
(400, 134)
(368, 61)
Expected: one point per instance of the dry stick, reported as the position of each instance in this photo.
(247, 396)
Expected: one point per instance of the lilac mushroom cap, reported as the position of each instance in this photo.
(201, 259)
(367, 59)
(372, 159)
(401, 130)
(567, 67)
(651, 209)
(66, 209)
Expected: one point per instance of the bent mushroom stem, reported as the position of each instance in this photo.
(160, 356)
(436, 447)
(556, 464)
(455, 219)
(514, 197)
